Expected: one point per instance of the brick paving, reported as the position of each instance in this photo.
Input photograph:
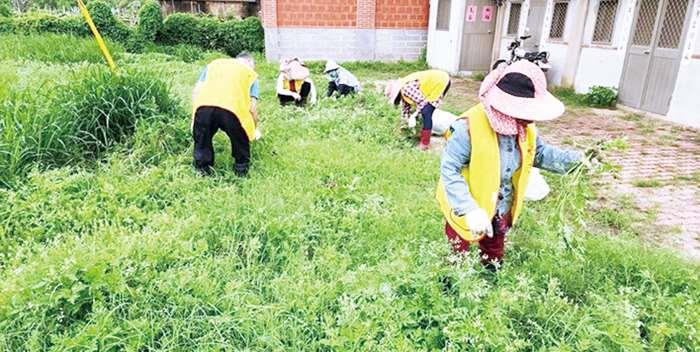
(658, 164)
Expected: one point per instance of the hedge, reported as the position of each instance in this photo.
(5, 8)
(208, 33)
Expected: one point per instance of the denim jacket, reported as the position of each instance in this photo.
(457, 155)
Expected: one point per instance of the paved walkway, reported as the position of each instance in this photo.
(659, 168)
(658, 165)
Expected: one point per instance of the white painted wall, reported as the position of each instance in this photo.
(444, 47)
(601, 64)
(685, 105)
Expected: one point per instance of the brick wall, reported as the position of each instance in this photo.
(402, 13)
(317, 13)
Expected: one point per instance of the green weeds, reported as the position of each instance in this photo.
(334, 242)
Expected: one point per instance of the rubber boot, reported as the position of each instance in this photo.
(424, 139)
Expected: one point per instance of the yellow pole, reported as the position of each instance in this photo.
(98, 37)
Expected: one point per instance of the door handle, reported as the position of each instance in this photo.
(646, 52)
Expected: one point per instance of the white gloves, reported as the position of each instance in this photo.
(412, 120)
(479, 223)
(258, 135)
(296, 96)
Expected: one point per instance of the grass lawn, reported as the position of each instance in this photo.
(334, 242)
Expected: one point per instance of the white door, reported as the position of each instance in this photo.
(654, 54)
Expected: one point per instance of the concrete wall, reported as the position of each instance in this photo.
(444, 47)
(602, 64)
(685, 105)
(342, 30)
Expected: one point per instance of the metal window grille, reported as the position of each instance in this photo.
(605, 21)
(514, 18)
(443, 15)
(645, 22)
(672, 27)
(556, 31)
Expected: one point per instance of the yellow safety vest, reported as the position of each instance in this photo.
(297, 85)
(227, 86)
(432, 84)
(484, 184)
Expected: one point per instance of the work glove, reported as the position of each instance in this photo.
(296, 96)
(479, 223)
(258, 134)
(412, 120)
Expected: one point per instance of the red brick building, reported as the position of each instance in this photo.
(345, 29)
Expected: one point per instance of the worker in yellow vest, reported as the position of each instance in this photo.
(225, 98)
(420, 91)
(487, 160)
(294, 84)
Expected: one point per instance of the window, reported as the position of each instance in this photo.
(443, 15)
(605, 22)
(556, 31)
(514, 18)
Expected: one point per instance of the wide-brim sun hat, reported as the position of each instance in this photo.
(331, 66)
(520, 91)
(392, 90)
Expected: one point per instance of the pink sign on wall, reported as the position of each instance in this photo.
(471, 13)
(487, 14)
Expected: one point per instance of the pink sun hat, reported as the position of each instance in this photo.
(520, 91)
(392, 90)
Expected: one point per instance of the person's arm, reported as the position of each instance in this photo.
(455, 157)
(254, 110)
(254, 96)
(282, 91)
(312, 93)
(553, 159)
(200, 82)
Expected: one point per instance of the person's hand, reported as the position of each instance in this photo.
(258, 134)
(479, 223)
(296, 96)
(412, 120)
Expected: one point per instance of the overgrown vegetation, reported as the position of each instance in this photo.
(78, 120)
(333, 243)
(597, 97)
(46, 48)
(230, 36)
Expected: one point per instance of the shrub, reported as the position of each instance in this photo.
(150, 20)
(37, 22)
(231, 36)
(599, 96)
(5, 8)
(180, 28)
(106, 23)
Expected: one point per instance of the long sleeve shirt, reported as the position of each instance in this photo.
(344, 76)
(411, 90)
(457, 155)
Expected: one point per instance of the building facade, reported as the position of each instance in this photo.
(649, 50)
(344, 30)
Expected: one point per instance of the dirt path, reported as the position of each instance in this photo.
(657, 165)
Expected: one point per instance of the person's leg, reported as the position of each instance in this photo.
(203, 131)
(332, 87)
(459, 245)
(305, 91)
(285, 99)
(240, 145)
(427, 113)
(345, 89)
(492, 249)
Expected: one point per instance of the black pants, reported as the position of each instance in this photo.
(427, 114)
(207, 121)
(342, 89)
(304, 92)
